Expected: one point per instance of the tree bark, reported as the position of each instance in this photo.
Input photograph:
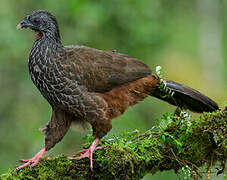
(177, 143)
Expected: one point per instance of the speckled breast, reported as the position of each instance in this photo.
(50, 77)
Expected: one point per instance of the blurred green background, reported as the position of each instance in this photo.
(187, 38)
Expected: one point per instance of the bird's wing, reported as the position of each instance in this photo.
(101, 71)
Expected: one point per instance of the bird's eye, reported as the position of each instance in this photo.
(36, 21)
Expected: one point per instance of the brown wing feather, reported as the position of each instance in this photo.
(101, 71)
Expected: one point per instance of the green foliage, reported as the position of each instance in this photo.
(180, 146)
(185, 171)
(164, 89)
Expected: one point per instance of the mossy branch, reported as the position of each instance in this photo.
(177, 143)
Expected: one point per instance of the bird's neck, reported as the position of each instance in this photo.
(46, 45)
(48, 38)
(44, 52)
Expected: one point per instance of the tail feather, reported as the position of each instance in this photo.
(186, 98)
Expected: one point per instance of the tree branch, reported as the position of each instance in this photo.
(177, 143)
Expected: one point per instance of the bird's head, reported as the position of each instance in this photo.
(41, 21)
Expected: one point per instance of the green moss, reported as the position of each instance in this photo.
(177, 143)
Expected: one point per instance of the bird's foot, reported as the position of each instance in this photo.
(88, 153)
(33, 161)
(86, 150)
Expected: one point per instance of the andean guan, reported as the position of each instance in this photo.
(89, 86)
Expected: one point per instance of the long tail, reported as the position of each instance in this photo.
(186, 98)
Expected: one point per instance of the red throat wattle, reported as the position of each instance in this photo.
(39, 35)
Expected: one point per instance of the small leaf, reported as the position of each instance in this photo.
(163, 137)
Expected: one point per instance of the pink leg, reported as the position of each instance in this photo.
(33, 161)
(89, 152)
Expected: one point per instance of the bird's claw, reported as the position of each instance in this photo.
(85, 150)
(88, 153)
(31, 162)
(27, 160)
(24, 160)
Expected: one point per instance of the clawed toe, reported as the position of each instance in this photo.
(24, 160)
(31, 162)
(88, 153)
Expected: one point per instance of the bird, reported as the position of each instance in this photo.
(86, 86)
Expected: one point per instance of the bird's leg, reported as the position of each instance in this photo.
(33, 161)
(89, 152)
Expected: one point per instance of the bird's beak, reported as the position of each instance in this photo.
(19, 26)
(23, 24)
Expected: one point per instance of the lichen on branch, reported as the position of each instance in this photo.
(177, 143)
